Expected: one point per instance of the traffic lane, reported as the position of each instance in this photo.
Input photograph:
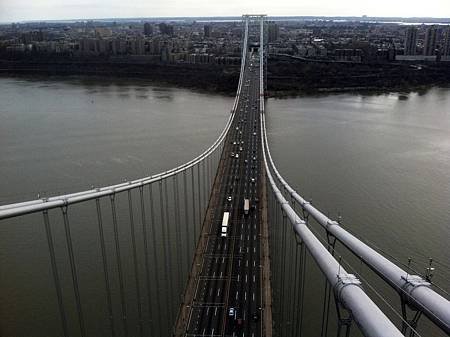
(214, 228)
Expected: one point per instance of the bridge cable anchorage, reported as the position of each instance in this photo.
(422, 297)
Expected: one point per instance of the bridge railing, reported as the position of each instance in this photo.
(138, 237)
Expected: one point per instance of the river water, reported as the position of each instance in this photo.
(380, 161)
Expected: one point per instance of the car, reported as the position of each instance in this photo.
(232, 154)
(232, 312)
(229, 198)
(246, 161)
(254, 157)
(254, 133)
(253, 180)
(255, 317)
(237, 156)
(234, 143)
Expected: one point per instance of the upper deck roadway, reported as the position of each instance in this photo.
(230, 276)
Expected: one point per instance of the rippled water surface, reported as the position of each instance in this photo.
(380, 161)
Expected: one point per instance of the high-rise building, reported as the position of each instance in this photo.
(166, 29)
(411, 41)
(148, 29)
(429, 48)
(274, 32)
(446, 51)
(207, 30)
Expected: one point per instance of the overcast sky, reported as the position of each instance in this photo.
(18, 10)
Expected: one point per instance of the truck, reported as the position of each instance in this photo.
(226, 217)
(246, 206)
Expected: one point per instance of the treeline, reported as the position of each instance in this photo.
(297, 76)
(285, 76)
(198, 76)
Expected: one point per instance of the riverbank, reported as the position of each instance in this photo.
(287, 77)
(208, 78)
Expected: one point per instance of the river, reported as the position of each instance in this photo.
(381, 161)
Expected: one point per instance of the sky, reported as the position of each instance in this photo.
(21, 10)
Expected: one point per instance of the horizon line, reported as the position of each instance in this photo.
(366, 17)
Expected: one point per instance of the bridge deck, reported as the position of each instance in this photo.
(230, 274)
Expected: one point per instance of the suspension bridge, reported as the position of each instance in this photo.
(219, 246)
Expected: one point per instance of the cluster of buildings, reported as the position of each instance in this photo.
(219, 42)
(433, 45)
(361, 41)
(185, 42)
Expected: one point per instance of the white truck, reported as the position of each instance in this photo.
(246, 206)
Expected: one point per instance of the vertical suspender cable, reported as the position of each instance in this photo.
(186, 221)
(168, 305)
(200, 218)
(135, 263)
(155, 258)
(178, 245)
(169, 249)
(146, 256)
(51, 250)
(205, 188)
(194, 227)
(119, 263)
(73, 268)
(105, 265)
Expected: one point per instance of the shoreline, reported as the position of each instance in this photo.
(216, 80)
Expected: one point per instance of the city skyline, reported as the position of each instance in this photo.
(28, 10)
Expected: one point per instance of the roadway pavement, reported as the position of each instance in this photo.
(227, 300)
